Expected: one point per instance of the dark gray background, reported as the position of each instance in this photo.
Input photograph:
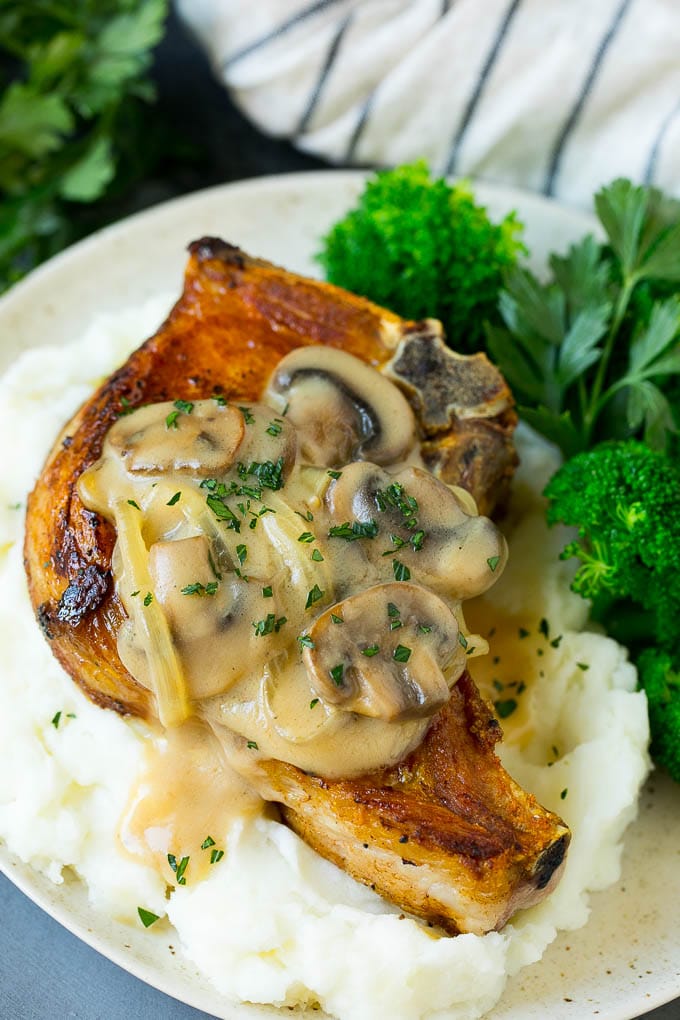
(45, 972)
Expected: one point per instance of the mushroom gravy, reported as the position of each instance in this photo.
(304, 603)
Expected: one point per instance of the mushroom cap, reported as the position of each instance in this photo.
(426, 524)
(342, 408)
(391, 652)
(161, 438)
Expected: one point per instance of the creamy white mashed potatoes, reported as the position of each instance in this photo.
(273, 922)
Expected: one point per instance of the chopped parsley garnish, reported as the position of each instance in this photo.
(55, 720)
(306, 516)
(314, 702)
(505, 708)
(523, 633)
(544, 628)
(146, 917)
(178, 869)
(392, 610)
(337, 674)
(131, 502)
(248, 416)
(216, 855)
(417, 539)
(219, 399)
(313, 595)
(207, 842)
(354, 530)
(252, 745)
(334, 474)
(370, 651)
(462, 640)
(174, 499)
(396, 497)
(397, 541)
(305, 641)
(336, 619)
(133, 593)
(563, 794)
(200, 589)
(401, 571)
(556, 642)
(317, 556)
(148, 599)
(181, 407)
(424, 628)
(274, 428)
(224, 512)
(306, 536)
(583, 666)
(267, 592)
(242, 553)
(401, 653)
(493, 562)
(269, 625)
(269, 475)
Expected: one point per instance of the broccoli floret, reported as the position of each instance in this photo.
(424, 248)
(660, 679)
(624, 499)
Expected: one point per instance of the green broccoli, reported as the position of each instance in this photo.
(424, 248)
(660, 679)
(624, 498)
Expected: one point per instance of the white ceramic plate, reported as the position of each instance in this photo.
(627, 959)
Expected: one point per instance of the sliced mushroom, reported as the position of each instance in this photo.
(393, 655)
(210, 620)
(204, 437)
(420, 527)
(343, 408)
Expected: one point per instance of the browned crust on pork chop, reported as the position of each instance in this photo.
(447, 835)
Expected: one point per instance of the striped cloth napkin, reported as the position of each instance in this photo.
(557, 96)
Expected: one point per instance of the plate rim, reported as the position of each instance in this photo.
(10, 865)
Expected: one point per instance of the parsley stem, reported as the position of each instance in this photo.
(597, 400)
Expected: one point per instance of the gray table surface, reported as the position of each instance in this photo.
(46, 973)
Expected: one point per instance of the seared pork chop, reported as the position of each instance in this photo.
(446, 834)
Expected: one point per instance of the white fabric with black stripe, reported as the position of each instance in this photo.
(557, 96)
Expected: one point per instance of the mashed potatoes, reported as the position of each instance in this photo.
(273, 922)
